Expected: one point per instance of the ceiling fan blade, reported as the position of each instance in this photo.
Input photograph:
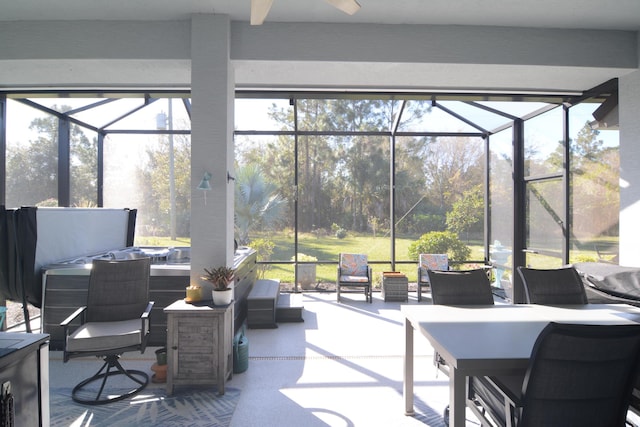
(259, 11)
(347, 6)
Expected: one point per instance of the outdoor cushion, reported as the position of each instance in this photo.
(99, 336)
(354, 265)
(434, 261)
(349, 278)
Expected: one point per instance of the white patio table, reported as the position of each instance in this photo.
(490, 340)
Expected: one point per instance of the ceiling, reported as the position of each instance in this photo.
(316, 75)
(585, 14)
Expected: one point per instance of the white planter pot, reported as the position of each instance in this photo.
(222, 297)
(306, 274)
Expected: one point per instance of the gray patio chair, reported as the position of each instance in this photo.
(552, 286)
(428, 262)
(115, 320)
(578, 375)
(354, 271)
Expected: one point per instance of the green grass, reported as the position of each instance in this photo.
(327, 249)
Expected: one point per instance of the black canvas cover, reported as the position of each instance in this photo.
(618, 282)
(31, 238)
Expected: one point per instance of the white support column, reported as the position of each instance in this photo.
(629, 102)
(212, 93)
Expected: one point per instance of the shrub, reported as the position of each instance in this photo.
(338, 231)
(264, 250)
(341, 233)
(440, 242)
(304, 258)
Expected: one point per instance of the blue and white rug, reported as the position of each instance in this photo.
(152, 407)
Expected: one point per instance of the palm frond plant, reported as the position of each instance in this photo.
(220, 277)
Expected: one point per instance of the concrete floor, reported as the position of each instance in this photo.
(342, 366)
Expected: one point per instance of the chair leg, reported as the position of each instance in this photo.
(110, 368)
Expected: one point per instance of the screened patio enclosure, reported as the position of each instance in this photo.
(519, 180)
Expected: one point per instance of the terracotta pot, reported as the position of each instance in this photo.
(160, 373)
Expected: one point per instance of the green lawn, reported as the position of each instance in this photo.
(327, 249)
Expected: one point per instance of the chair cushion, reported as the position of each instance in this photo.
(98, 336)
(434, 262)
(353, 279)
(354, 265)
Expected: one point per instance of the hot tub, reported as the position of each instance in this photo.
(65, 286)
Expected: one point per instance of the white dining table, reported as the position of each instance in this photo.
(490, 340)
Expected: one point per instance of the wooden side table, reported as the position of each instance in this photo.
(199, 344)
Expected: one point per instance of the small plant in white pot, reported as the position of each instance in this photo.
(221, 279)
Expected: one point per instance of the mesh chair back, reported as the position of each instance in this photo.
(555, 286)
(470, 287)
(118, 290)
(581, 375)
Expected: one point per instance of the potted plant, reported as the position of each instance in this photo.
(220, 277)
(306, 273)
(160, 367)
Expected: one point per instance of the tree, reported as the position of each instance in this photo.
(595, 195)
(84, 169)
(343, 164)
(450, 164)
(594, 185)
(258, 206)
(32, 167)
(467, 212)
(155, 177)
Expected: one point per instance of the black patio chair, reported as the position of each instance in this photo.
(466, 287)
(578, 375)
(553, 286)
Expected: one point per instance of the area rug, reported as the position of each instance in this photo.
(186, 407)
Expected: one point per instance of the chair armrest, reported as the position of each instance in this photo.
(73, 316)
(500, 397)
(144, 317)
(509, 387)
(79, 313)
(145, 325)
(147, 311)
(370, 274)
